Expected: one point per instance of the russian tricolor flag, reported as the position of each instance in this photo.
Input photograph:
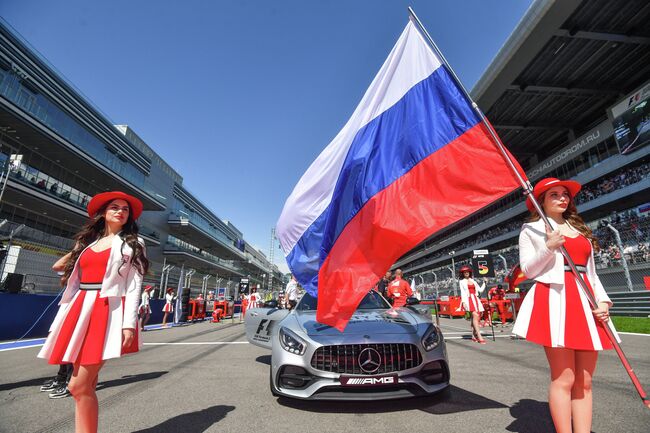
(413, 158)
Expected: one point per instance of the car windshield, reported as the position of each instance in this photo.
(372, 301)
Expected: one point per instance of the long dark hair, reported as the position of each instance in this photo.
(572, 217)
(94, 229)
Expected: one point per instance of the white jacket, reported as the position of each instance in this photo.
(464, 291)
(122, 279)
(541, 264)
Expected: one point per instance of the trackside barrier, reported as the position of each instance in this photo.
(221, 310)
(450, 306)
(196, 309)
(634, 304)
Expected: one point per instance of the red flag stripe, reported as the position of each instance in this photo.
(445, 187)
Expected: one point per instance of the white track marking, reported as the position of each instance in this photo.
(196, 343)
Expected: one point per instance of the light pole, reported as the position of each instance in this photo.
(626, 270)
(164, 277)
(204, 288)
(453, 275)
(453, 269)
(188, 278)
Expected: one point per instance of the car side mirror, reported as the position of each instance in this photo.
(412, 301)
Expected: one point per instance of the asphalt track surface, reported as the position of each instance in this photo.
(206, 378)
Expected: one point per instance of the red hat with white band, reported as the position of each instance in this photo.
(101, 199)
(544, 185)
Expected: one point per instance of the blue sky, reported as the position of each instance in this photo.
(240, 96)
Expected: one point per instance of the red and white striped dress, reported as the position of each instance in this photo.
(169, 303)
(560, 316)
(254, 300)
(88, 330)
(473, 300)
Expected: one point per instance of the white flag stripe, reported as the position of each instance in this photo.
(409, 62)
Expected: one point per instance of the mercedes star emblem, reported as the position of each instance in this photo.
(369, 360)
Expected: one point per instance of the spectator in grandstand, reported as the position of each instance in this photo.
(643, 252)
(552, 313)
(615, 254)
(469, 290)
(97, 318)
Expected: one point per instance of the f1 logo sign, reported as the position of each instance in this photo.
(265, 325)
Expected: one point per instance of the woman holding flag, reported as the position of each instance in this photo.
(555, 313)
(470, 300)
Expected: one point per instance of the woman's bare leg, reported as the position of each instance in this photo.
(562, 363)
(581, 396)
(164, 322)
(476, 329)
(82, 387)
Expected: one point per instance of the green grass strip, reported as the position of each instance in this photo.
(640, 325)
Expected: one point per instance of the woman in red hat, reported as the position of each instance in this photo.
(98, 313)
(555, 313)
(470, 300)
(169, 305)
(144, 310)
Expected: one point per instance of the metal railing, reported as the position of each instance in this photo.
(635, 304)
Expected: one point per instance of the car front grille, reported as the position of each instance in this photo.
(345, 358)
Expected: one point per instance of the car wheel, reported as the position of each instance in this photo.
(274, 393)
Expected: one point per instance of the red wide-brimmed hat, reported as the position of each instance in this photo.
(148, 287)
(465, 269)
(545, 184)
(106, 197)
(170, 289)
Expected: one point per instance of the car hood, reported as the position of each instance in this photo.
(394, 321)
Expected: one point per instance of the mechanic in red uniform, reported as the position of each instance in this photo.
(498, 294)
(399, 289)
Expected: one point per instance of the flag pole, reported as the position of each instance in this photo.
(528, 190)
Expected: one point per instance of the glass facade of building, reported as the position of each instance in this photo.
(51, 115)
(59, 135)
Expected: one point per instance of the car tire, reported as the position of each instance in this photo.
(274, 393)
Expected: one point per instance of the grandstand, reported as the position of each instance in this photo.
(567, 94)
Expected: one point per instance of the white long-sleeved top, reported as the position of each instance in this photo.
(464, 291)
(144, 302)
(291, 291)
(122, 279)
(541, 264)
(546, 266)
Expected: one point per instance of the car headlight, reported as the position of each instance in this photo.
(291, 342)
(431, 338)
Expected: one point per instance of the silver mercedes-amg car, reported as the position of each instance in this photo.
(383, 353)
